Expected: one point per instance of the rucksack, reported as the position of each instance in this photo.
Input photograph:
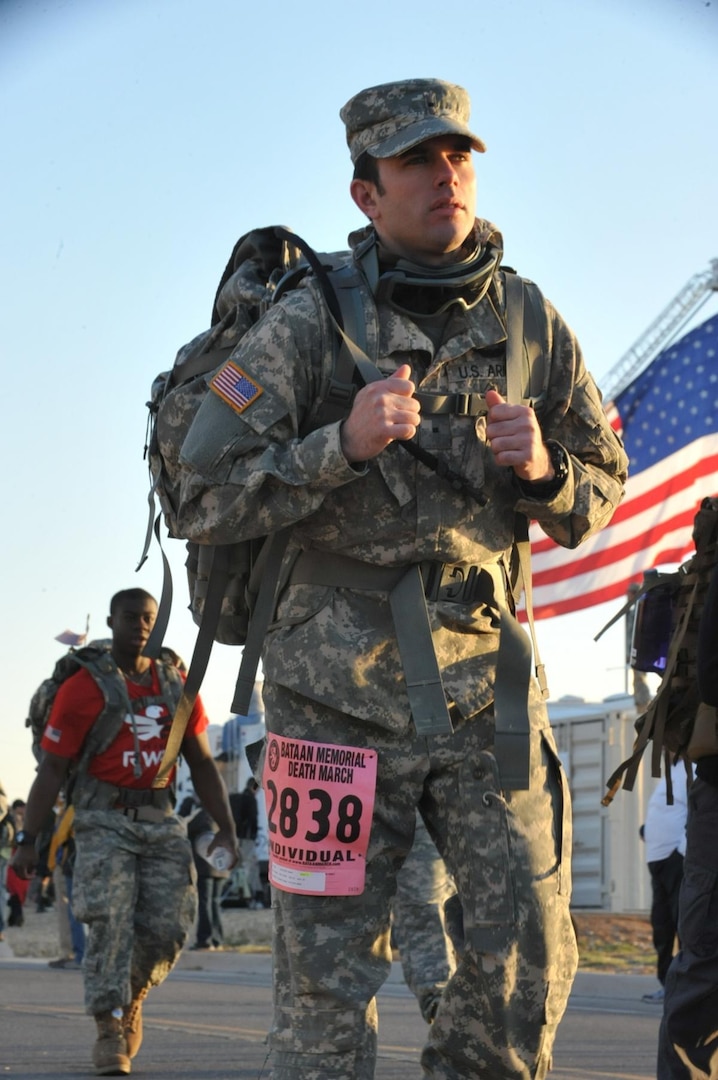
(670, 720)
(233, 588)
(97, 659)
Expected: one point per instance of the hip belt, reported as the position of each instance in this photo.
(452, 583)
(409, 588)
(143, 813)
(144, 804)
(137, 804)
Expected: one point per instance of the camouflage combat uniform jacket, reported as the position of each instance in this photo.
(251, 473)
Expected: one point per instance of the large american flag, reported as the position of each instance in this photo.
(668, 419)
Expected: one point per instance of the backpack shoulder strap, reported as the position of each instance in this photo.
(355, 343)
(352, 314)
(527, 339)
(526, 357)
(103, 668)
(101, 665)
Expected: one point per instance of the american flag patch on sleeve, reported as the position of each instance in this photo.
(235, 387)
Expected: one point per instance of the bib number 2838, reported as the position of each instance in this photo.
(320, 799)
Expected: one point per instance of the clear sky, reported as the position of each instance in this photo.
(142, 137)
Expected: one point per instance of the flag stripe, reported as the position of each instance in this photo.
(669, 421)
(646, 491)
(579, 586)
(675, 499)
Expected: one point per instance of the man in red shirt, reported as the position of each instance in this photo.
(134, 876)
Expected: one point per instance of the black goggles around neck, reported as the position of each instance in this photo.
(419, 291)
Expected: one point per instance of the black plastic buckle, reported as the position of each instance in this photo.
(470, 405)
(341, 394)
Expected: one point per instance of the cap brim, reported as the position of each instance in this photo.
(421, 131)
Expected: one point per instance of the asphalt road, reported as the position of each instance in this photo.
(209, 1021)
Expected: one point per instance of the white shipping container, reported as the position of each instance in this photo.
(609, 865)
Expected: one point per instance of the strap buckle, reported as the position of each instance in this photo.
(469, 404)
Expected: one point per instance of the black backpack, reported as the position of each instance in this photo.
(675, 721)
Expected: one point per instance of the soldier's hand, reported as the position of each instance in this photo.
(515, 439)
(226, 838)
(382, 412)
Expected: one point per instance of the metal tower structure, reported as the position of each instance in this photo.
(662, 331)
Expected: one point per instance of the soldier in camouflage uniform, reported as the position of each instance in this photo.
(134, 881)
(356, 741)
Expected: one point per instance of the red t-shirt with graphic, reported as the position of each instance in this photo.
(80, 701)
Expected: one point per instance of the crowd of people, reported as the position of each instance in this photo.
(51, 885)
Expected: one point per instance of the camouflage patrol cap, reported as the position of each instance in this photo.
(389, 119)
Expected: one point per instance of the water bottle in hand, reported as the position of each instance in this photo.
(220, 858)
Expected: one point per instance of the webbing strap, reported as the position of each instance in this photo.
(427, 700)
(655, 717)
(153, 646)
(418, 657)
(150, 523)
(275, 547)
(523, 550)
(513, 664)
(512, 744)
(455, 404)
(314, 567)
(514, 338)
(216, 584)
(407, 600)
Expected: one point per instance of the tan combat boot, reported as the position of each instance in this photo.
(132, 1022)
(109, 1055)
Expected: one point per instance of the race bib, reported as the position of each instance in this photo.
(320, 800)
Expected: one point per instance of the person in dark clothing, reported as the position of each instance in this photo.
(664, 834)
(707, 654)
(210, 932)
(244, 810)
(246, 821)
(688, 1039)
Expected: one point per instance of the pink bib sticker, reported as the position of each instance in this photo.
(320, 800)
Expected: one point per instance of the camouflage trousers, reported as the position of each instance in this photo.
(688, 1039)
(419, 931)
(134, 887)
(509, 854)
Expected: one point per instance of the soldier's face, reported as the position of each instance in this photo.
(131, 624)
(424, 207)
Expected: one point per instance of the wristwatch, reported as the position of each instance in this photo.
(544, 489)
(24, 839)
